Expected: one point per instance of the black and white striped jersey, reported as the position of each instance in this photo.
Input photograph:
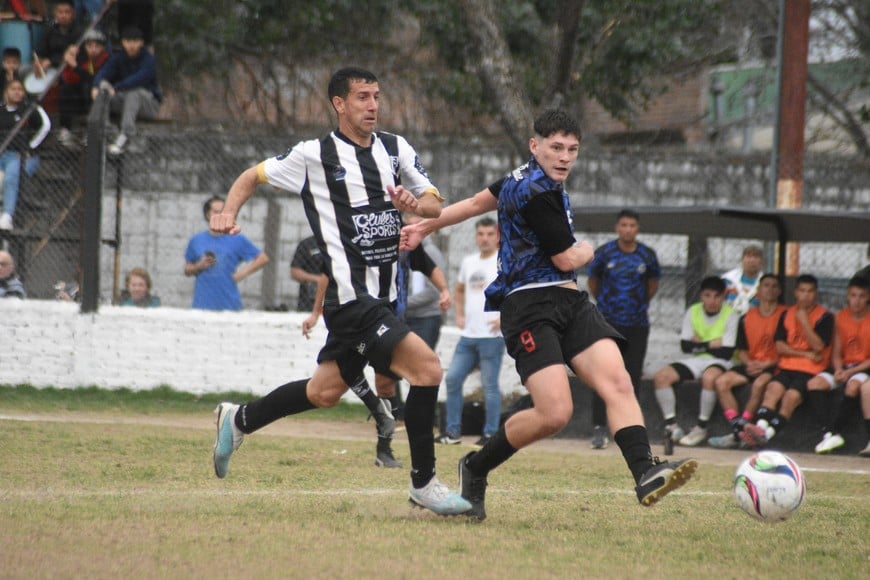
(344, 192)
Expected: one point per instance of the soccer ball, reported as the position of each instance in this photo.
(769, 486)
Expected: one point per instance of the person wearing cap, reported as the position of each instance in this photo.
(76, 80)
(130, 79)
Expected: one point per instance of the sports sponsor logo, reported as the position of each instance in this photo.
(418, 165)
(375, 227)
(383, 330)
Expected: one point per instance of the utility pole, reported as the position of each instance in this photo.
(792, 115)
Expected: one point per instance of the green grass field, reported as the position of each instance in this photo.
(122, 490)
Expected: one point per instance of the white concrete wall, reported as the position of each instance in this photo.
(47, 343)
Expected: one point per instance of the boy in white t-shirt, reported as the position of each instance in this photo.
(481, 343)
(742, 283)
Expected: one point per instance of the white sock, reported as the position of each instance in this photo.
(667, 402)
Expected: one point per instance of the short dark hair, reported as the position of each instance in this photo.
(132, 33)
(206, 207)
(339, 84)
(807, 279)
(769, 275)
(715, 283)
(554, 121)
(485, 222)
(12, 51)
(628, 213)
(859, 282)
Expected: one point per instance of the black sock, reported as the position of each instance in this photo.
(818, 401)
(494, 452)
(867, 426)
(599, 410)
(778, 422)
(633, 441)
(763, 414)
(286, 400)
(847, 407)
(419, 421)
(361, 389)
(737, 424)
(671, 421)
(702, 423)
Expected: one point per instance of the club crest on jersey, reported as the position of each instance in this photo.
(383, 329)
(338, 172)
(520, 172)
(376, 226)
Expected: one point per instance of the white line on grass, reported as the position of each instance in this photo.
(42, 494)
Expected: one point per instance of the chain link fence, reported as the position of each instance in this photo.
(152, 205)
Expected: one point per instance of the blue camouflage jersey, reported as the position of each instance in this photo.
(623, 298)
(521, 261)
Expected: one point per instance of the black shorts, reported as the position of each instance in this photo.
(796, 380)
(551, 325)
(362, 332)
(741, 370)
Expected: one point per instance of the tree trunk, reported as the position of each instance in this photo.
(569, 27)
(496, 71)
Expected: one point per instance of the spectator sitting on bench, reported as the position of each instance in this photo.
(11, 67)
(130, 78)
(33, 130)
(709, 334)
(77, 79)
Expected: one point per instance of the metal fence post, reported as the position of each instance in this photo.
(95, 168)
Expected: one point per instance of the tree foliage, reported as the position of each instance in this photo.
(492, 59)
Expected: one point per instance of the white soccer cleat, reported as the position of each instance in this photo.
(830, 442)
(694, 437)
(437, 497)
(228, 438)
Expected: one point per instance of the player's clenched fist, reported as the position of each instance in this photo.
(224, 223)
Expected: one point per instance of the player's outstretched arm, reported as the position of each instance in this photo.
(480, 203)
(240, 192)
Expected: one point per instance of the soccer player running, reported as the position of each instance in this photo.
(546, 321)
(349, 182)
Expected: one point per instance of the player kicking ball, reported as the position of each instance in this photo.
(547, 321)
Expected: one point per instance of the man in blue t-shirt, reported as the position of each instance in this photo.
(623, 277)
(214, 259)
